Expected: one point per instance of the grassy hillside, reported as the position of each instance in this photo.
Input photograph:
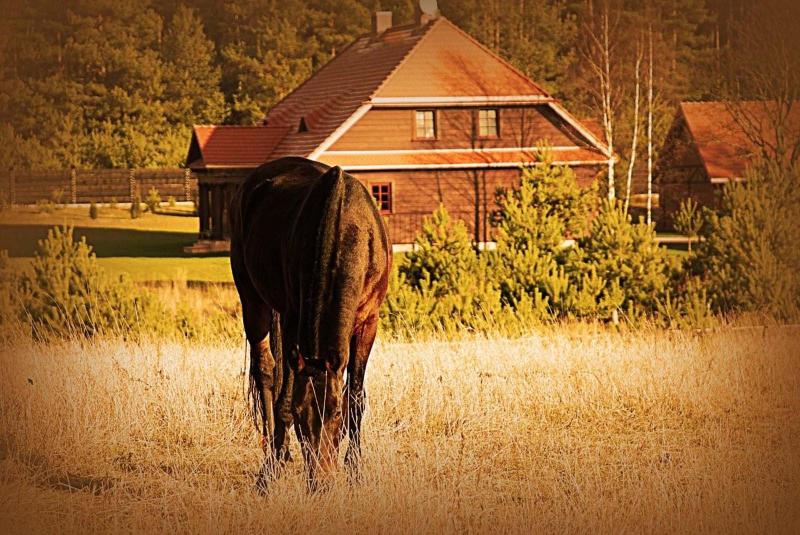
(568, 430)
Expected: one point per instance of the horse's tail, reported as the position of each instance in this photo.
(326, 252)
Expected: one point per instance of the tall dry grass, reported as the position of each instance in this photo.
(566, 430)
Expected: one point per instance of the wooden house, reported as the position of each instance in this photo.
(710, 144)
(422, 114)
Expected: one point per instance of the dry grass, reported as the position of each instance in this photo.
(560, 432)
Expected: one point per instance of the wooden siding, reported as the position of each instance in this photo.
(416, 194)
(393, 128)
(680, 175)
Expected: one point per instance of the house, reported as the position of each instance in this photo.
(422, 114)
(710, 144)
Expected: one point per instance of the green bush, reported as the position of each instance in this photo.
(153, 200)
(689, 220)
(442, 285)
(67, 293)
(531, 226)
(113, 204)
(93, 211)
(171, 202)
(635, 271)
(749, 258)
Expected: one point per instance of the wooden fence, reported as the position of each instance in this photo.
(96, 185)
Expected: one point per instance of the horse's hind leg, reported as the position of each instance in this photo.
(360, 347)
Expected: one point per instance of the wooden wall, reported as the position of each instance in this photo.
(416, 194)
(387, 129)
(680, 175)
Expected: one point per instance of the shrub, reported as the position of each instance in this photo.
(45, 206)
(532, 224)
(171, 202)
(688, 220)
(57, 197)
(113, 204)
(749, 259)
(635, 271)
(93, 211)
(153, 200)
(136, 208)
(443, 284)
(67, 293)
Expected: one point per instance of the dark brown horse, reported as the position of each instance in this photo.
(311, 259)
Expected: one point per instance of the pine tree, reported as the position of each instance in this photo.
(531, 225)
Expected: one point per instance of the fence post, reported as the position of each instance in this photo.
(187, 193)
(132, 185)
(73, 186)
(12, 188)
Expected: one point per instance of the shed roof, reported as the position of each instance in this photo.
(726, 134)
(232, 146)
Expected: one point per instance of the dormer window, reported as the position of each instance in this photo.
(487, 123)
(425, 124)
(303, 126)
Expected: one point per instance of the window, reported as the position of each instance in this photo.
(487, 122)
(382, 192)
(425, 127)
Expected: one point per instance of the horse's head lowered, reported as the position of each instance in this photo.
(318, 406)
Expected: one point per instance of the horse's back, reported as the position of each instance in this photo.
(280, 224)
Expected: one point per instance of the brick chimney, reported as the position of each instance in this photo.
(381, 21)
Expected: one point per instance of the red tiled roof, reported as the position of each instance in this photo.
(448, 158)
(435, 60)
(723, 142)
(334, 92)
(450, 62)
(233, 146)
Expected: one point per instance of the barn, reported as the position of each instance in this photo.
(421, 113)
(710, 144)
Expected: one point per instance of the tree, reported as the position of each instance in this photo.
(748, 257)
(191, 77)
(531, 224)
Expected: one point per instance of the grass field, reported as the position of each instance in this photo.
(149, 248)
(570, 430)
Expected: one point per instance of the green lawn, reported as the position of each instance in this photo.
(149, 248)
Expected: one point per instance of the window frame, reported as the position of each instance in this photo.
(390, 198)
(496, 134)
(435, 117)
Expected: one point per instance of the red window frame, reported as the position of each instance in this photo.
(382, 193)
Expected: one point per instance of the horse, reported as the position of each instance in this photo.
(310, 257)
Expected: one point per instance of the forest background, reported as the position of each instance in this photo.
(105, 84)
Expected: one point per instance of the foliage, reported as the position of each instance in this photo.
(688, 220)
(634, 269)
(114, 84)
(93, 211)
(153, 200)
(442, 284)
(171, 202)
(532, 223)
(66, 293)
(748, 257)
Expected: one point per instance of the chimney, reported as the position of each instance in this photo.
(426, 11)
(381, 21)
